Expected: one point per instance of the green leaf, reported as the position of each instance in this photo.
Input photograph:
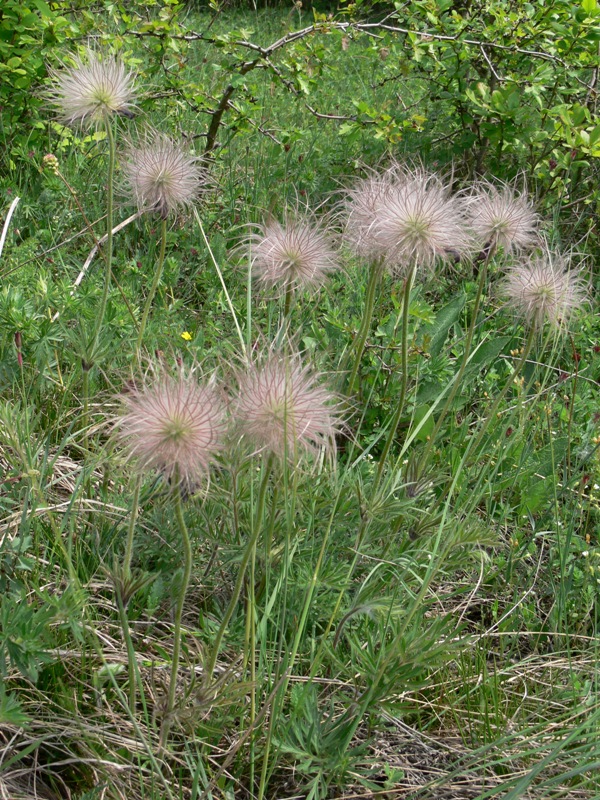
(11, 712)
(42, 7)
(422, 412)
(438, 331)
(487, 353)
(590, 6)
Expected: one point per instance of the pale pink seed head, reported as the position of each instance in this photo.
(175, 426)
(92, 89)
(283, 410)
(544, 289)
(408, 218)
(160, 176)
(502, 217)
(298, 253)
(360, 211)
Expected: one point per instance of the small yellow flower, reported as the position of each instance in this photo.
(187, 336)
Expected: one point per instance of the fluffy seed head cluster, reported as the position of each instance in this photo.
(407, 217)
(282, 409)
(160, 176)
(299, 253)
(544, 289)
(173, 425)
(92, 89)
(502, 217)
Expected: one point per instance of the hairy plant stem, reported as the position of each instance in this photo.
(287, 306)
(408, 282)
(109, 233)
(472, 448)
(131, 660)
(359, 709)
(85, 400)
(132, 669)
(135, 501)
(301, 627)
(248, 553)
(187, 572)
(363, 332)
(465, 358)
(153, 287)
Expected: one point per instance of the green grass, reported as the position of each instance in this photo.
(420, 626)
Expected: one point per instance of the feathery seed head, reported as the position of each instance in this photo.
(92, 89)
(360, 207)
(298, 253)
(544, 289)
(160, 176)
(407, 217)
(173, 425)
(502, 217)
(282, 409)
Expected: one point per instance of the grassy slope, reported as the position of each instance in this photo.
(491, 690)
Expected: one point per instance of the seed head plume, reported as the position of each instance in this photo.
(407, 217)
(92, 89)
(175, 426)
(160, 176)
(296, 254)
(544, 289)
(282, 409)
(502, 217)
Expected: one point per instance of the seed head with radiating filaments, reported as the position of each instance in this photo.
(544, 289)
(283, 410)
(406, 217)
(92, 89)
(299, 253)
(175, 426)
(502, 217)
(160, 176)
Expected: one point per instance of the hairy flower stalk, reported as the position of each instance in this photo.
(405, 219)
(161, 178)
(175, 426)
(541, 291)
(285, 414)
(88, 93)
(499, 218)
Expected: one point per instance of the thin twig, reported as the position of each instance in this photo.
(94, 251)
(11, 211)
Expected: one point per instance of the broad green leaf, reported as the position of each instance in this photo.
(438, 330)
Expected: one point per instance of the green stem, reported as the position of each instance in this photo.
(300, 629)
(109, 234)
(131, 660)
(287, 306)
(85, 414)
(135, 501)
(404, 356)
(187, 572)
(360, 341)
(248, 552)
(155, 281)
(465, 358)
(515, 374)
